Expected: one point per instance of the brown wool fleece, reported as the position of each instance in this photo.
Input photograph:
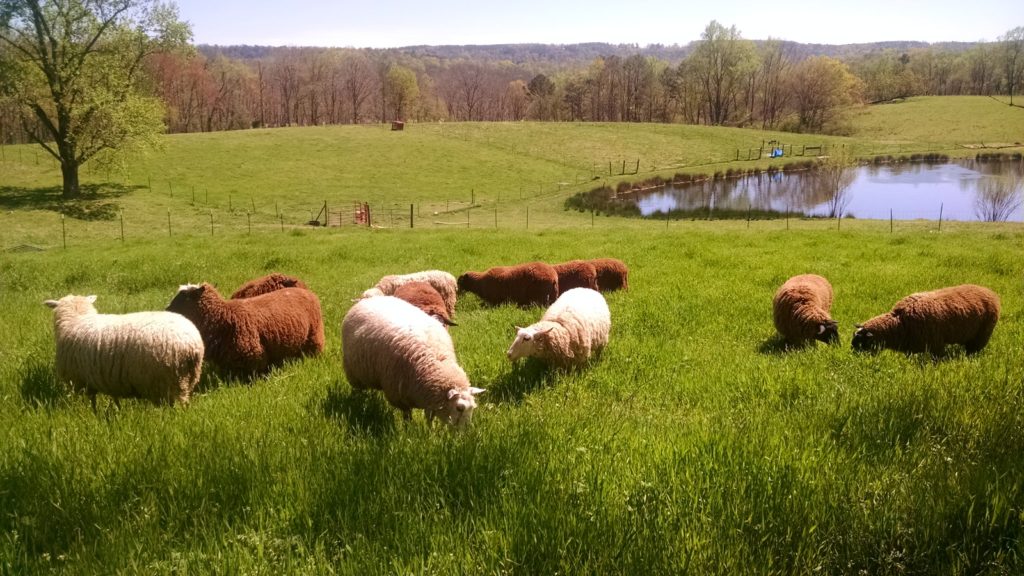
(929, 321)
(612, 274)
(251, 335)
(576, 274)
(423, 296)
(800, 306)
(269, 283)
(530, 284)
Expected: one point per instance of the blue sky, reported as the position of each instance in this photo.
(390, 23)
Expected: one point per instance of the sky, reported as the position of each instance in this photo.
(395, 23)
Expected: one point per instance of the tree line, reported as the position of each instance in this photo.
(89, 79)
(724, 80)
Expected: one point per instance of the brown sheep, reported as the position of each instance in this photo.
(425, 297)
(251, 335)
(929, 321)
(268, 283)
(612, 274)
(576, 274)
(800, 310)
(533, 283)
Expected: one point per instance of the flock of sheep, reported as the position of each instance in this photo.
(395, 337)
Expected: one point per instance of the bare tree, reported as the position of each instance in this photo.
(998, 198)
(719, 64)
(357, 83)
(1012, 44)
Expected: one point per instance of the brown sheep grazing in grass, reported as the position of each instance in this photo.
(425, 297)
(269, 283)
(251, 335)
(576, 274)
(530, 284)
(929, 321)
(800, 310)
(612, 274)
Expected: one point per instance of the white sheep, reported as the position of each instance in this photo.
(571, 330)
(393, 346)
(154, 355)
(442, 281)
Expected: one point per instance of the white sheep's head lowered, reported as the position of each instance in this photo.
(458, 409)
(526, 342)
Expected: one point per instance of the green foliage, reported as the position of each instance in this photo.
(77, 74)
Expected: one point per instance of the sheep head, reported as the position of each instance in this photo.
(528, 341)
(459, 406)
(186, 301)
(467, 281)
(865, 340)
(828, 332)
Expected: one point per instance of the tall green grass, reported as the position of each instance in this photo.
(693, 445)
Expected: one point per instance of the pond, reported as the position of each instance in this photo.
(960, 190)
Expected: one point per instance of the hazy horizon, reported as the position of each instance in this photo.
(403, 23)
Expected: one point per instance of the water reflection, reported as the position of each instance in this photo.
(963, 190)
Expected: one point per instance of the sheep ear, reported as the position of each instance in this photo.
(858, 325)
(452, 393)
(475, 391)
(821, 328)
(91, 298)
(50, 303)
(544, 330)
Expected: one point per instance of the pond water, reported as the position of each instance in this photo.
(963, 190)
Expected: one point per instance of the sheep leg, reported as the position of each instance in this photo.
(92, 400)
(977, 344)
(430, 417)
(407, 414)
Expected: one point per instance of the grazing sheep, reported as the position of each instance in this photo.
(928, 321)
(572, 329)
(251, 335)
(576, 274)
(268, 283)
(533, 283)
(612, 274)
(442, 281)
(153, 355)
(800, 310)
(426, 298)
(390, 345)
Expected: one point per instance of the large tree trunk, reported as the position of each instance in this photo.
(70, 173)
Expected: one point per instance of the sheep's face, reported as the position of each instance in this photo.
(828, 332)
(865, 340)
(458, 409)
(526, 342)
(465, 282)
(186, 301)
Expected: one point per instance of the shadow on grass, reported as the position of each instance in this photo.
(524, 378)
(40, 387)
(775, 346)
(363, 412)
(95, 203)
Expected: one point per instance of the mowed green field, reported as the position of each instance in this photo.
(693, 445)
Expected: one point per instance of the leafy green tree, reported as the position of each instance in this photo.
(75, 70)
(719, 64)
(402, 89)
(820, 87)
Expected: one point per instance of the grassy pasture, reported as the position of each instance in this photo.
(693, 445)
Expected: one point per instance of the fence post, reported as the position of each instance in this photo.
(281, 217)
(64, 231)
(150, 180)
(211, 222)
(890, 220)
(248, 218)
(940, 217)
(637, 171)
(122, 226)
(229, 203)
(170, 189)
(410, 215)
(168, 222)
(623, 168)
